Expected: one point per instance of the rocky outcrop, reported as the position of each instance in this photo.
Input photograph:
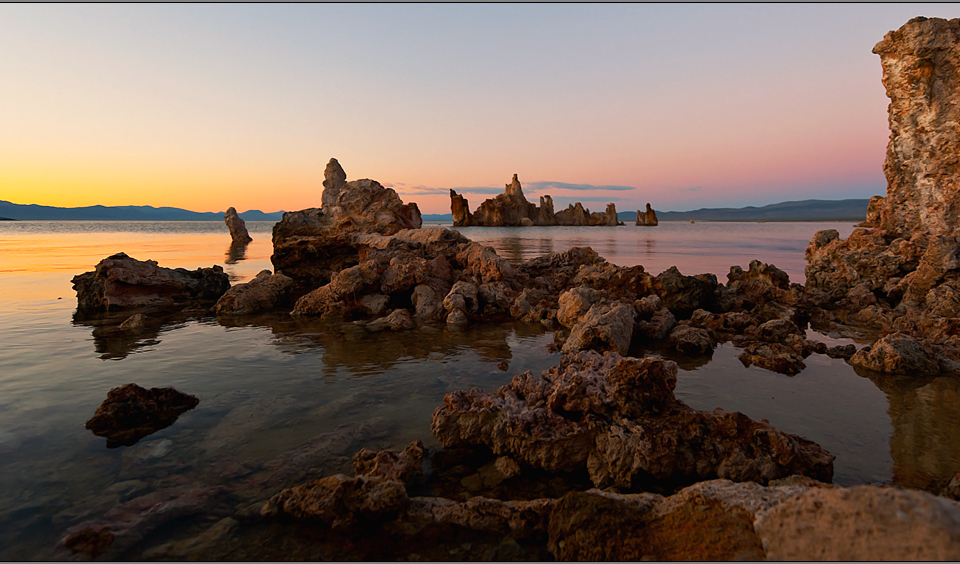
(131, 412)
(647, 218)
(311, 245)
(921, 75)
(596, 413)
(903, 275)
(121, 282)
(238, 229)
(265, 292)
(512, 209)
(896, 354)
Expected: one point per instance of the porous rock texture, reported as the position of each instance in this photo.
(512, 209)
(617, 418)
(903, 275)
(237, 227)
(131, 412)
(121, 282)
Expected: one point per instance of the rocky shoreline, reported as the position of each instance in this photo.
(594, 458)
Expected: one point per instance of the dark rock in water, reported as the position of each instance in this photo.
(238, 229)
(341, 502)
(647, 218)
(120, 282)
(131, 412)
(775, 357)
(402, 466)
(691, 340)
(460, 209)
(844, 351)
(597, 412)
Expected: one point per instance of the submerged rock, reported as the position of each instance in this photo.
(131, 412)
(120, 282)
(598, 412)
(237, 227)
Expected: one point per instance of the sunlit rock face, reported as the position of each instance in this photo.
(921, 74)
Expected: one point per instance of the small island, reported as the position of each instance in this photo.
(512, 209)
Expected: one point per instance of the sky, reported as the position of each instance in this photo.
(209, 106)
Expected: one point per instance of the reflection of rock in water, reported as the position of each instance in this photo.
(236, 252)
(926, 423)
(115, 343)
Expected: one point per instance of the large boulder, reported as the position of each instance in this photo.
(121, 282)
(263, 293)
(607, 326)
(618, 419)
(896, 353)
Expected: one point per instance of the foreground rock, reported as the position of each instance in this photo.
(121, 282)
(512, 209)
(598, 413)
(237, 227)
(131, 412)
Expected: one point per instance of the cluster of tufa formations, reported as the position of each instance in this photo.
(594, 458)
(512, 209)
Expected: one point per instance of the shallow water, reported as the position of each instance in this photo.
(272, 384)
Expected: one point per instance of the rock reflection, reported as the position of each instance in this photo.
(925, 413)
(236, 252)
(115, 343)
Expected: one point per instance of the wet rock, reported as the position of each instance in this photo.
(120, 282)
(204, 543)
(776, 357)
(896, 353)
(398, 320)
(691, 340)
(127, 524)
(341, 502)
(374, 304)
(841, 351)
(130, 413)
(648, 217)
(777, 330)
(457, 318)
(238, 229)
(463, 295)
(606, 326)
(401, 466)
(598, 412)
(263, 293)
(861, 523)
(135, 323)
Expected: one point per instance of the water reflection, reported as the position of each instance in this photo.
(926, 423)
(236, 252)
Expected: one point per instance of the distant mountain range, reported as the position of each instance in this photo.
(804, 210)
(122, 213)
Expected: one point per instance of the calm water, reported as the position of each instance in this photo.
(270, 384)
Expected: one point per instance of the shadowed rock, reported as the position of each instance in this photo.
(647, 218)
(238, 229)
(131, 412)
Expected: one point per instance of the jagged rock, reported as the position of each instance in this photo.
(573, 215)
(545, 213)
(341, 502)
(509, 208)
(659, 325)
(120, 282)
(896, 353)
(463, 295)
(238, 229)
(691, 340)
(333, 180)
(776, 357)
(920, 64)
(391, 465)
(131, 412)
(575, 303)
(684, 294)
(608, 217)
(618, 419)
(777, 330)
(861, 523)
(263, 293)
(606, 326)
(460, 209)
(844, 351)
(647, 218)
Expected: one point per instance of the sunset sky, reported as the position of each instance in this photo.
(209, 106)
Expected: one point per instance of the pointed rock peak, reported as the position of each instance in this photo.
(514, 189)
(333, 179)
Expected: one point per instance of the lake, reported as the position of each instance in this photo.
(269, 384)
